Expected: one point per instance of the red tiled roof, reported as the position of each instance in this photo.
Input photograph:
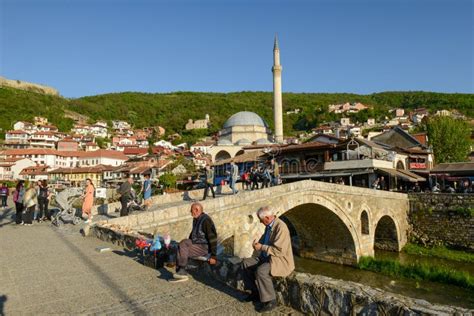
(35, 170)
(95, 169)
(17, 132)
(421, 137)
(30, 151)
(44, 133)
(103, 153)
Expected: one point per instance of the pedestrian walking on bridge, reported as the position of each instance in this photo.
(209, 182)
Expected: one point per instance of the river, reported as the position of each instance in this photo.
(430, 291)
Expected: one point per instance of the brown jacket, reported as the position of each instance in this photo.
(281, 254)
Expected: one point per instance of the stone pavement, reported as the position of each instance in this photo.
(46, 270)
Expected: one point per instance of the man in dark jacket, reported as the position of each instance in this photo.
(125, 191)
(201, 242)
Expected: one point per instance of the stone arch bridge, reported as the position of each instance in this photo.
(330, 222)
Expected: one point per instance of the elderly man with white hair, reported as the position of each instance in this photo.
(273, 256)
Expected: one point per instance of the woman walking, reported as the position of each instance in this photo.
(29, 201)
(88, 200)
(18, 200)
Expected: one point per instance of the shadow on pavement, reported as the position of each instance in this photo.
(220, 286)
(165, 274)
(101, 275)
(7, 213)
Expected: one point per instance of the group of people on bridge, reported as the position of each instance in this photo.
(253, 178)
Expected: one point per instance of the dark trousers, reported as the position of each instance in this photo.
(254, 184)
(43, 208)
(265, 183)
(187, 249)
(28, 215)
(124, 209)
(206, 191)
(4, 200)
(19, 210)
(257, 278)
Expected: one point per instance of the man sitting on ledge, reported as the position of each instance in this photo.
(202, 241)
(273, 257)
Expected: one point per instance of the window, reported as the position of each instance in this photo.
(364, 222)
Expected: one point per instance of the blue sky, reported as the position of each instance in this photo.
(86, 47)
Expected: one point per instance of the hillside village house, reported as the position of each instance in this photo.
(11, 168)
(39, 120)
(35, 173)
(67, 145)
(47, 128)
(25, 126)
(91, 146)
(43, 139)
(78, 176)
(57, 159)
(16, 139)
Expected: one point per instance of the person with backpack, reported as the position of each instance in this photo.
(146, 189)
(266, 177)
(4, 192)
(43, 201)
(18, 200)
(254, 178)
(88, 200)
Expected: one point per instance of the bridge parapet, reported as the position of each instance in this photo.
(235, 217)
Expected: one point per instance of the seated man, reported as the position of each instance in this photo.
(273, 257)
(202, 241)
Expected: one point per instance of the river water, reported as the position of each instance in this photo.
(430, 291)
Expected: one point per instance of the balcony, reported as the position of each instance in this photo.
(358, 164)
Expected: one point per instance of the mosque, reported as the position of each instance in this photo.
(245, 128)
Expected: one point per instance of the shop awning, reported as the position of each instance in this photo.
(402, 174)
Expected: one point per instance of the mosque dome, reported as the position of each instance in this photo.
(224, 142)
(262, 141)
(244, 141)
(245, 118)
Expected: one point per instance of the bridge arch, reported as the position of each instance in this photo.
(387, 234)
(317, 219)
(221, 155)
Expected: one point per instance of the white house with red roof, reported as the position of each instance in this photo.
(43, 139)
(10, 168)
(102, 157)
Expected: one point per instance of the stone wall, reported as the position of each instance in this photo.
(442, 219)
(320, 295)
(310, 294)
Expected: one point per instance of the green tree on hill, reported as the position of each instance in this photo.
(450, 138)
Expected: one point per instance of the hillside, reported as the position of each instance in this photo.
(172, 110)
(17, 105)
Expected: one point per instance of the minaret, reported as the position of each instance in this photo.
(277, 103)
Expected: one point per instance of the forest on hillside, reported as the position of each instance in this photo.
(172, 110)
